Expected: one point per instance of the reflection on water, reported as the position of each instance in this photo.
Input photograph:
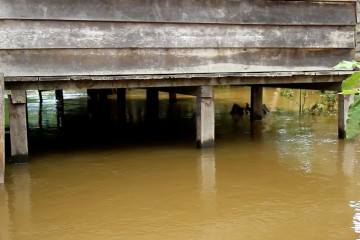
(91, 177)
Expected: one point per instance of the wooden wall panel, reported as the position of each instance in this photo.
(184, 11)
(166, 61)
(65, 34)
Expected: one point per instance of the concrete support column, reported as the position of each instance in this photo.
(152, 104)
(172, 97)
(18, 127)
(344, 101)
(59, 95)
(205, 117)
(2, 129)
(256, 103)
(121, 103)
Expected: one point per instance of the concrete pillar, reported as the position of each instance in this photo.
(344, 101)
(121, 104)
(172, 97)
(40, 96)
(18, 127)
(256, 103)
(59, 95)
(152, 104)
(2, 129)
(205, 117)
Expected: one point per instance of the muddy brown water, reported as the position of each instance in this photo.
(92, 177)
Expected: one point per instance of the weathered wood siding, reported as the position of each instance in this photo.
(357, 53)
(132, 37)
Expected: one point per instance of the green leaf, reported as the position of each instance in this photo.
(351, 91)
(353, 122)
(348, 65)
(350, 82)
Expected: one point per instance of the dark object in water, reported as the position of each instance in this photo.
(247, 109)
(265, 109)
(236, 109)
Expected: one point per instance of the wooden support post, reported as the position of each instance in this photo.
(18, 127)
(2, 129)
(152, 104)
(172, 97)
(344, 101)
(121, 103)
(256, 103)
(59, 95)
(205, 117)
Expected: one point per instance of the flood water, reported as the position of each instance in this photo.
(93, 176)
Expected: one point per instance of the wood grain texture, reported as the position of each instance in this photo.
(65, 34)
(309, 80)
(2, 129)
(185, 11)
(65, 62)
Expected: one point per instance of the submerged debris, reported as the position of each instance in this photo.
(238, 110)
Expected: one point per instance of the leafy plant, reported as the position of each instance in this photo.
(289, 94)
(348, 87)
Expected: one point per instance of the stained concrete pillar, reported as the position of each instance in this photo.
(2, 129)
(344, 101)
(59, 95)
(172, 97)
(256, 103)
(205, 117)
(121, 103)
(18, 127)
(152, 104)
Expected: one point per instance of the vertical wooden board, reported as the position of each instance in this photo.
(2, 129)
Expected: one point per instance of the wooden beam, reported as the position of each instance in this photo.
(65, 62)
(18, 127)
(2, 130)
(205, 117)
(185, 11)
(45, 34)
(212, 80)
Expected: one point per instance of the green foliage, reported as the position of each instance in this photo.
(347, 65)
(350, 82)
(353, 123)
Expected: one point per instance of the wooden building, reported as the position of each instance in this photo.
(184, 46)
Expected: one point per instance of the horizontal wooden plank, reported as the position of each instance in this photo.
(64, 62)
(67, 34)
(185, 11)
(331, 82)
